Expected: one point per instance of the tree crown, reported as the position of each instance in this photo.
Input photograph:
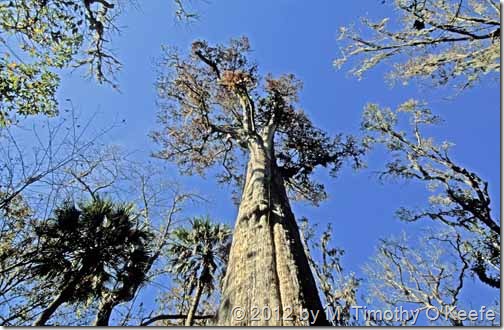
(200, 252)
(214, 104)
(94, 244)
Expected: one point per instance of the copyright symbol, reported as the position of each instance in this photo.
(237, 313)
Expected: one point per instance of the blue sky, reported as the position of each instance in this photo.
(296, 37)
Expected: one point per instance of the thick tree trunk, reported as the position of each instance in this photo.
(268, 280)
(194, 304)
(46, 314)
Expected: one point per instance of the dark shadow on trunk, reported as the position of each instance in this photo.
(60, 299)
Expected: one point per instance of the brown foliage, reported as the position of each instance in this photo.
(214, 105)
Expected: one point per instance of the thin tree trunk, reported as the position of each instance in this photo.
(105, 310)
(194, 304)
(268, 271)
(114, 298)
(61, 298)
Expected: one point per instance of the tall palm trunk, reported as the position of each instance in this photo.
(194, 304)
(268, 267)
(61, 298)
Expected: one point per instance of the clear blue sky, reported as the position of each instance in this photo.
(296, 37)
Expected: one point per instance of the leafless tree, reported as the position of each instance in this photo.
(34, 162)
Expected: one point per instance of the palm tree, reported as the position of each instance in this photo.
(86, 249)
(198, 256)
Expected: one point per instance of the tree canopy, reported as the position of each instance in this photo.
(39, 38)
(89, 250)
(437, 41)
(460, 198)
(214, 102)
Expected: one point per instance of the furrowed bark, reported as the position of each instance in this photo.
(267, 268)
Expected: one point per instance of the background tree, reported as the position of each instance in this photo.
(427, 275)
(198, 258)
(216, 109)
(38, 157)
(129, 280)
(84, 248)
(33, 178)
(16, 238)
(174, 305)
(455, 41)
(339, 289)
(39, 38)
(460, 198)
(68, 163)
